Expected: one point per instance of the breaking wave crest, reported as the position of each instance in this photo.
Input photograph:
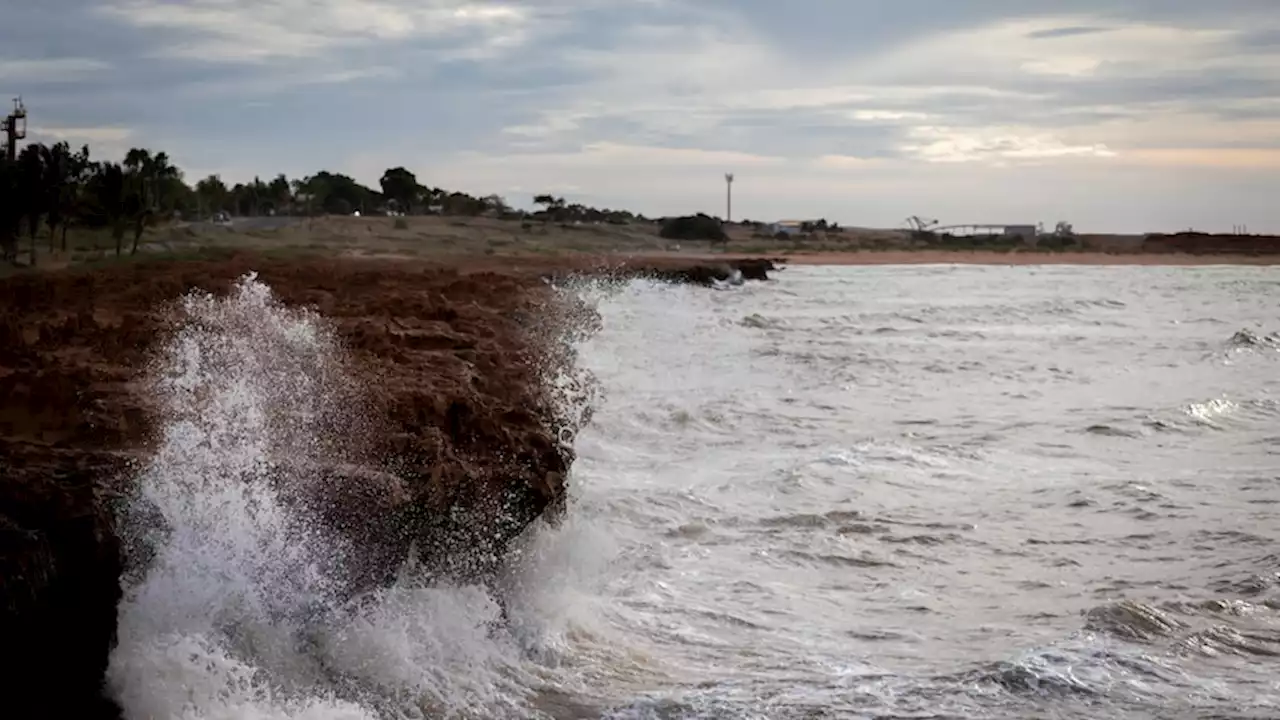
(748, 536)
(239, 603)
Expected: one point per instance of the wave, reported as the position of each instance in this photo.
(1246, 338)
(242, 600)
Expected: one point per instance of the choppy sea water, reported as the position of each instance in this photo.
(882, 492)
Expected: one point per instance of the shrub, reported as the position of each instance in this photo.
(693, 227)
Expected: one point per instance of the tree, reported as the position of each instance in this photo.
(301, 189)
(549, 202)
(81, 170)
(693, 227)
(148, 178)
(58, 185)
(281, 193)
(34, 197)
(496, 203)
(458, 203)
(111, 194)
(339, 194)
(433, 199)
(212, 194)
(401, 187)
(10, 212)
(553, 208)
(249, 199)
(55, 187)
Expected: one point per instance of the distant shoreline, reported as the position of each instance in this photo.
(978, 257)
(486, 242)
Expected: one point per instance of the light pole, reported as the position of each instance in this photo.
(728, 197)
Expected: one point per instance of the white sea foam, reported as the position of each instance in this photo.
(929, 559)
(239, 611)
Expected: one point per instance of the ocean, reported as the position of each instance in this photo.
(852, 492)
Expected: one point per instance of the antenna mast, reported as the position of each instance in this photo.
(15, 129)
(728, 197)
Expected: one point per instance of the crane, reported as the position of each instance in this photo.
(920, 227)
(919, 224)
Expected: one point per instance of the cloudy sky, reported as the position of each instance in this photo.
(1116, 115)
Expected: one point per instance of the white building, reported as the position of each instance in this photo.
(790, 227)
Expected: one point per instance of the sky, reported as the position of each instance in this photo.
(1116, 115)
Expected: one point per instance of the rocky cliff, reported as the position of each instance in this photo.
(463, 444)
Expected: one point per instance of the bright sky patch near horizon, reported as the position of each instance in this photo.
(1117, 115)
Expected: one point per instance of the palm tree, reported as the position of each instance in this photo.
(149, 176)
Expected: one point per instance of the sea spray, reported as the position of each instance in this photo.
(244, 390)
(239, 609)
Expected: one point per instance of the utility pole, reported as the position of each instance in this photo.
(728, 197)
(15, 129)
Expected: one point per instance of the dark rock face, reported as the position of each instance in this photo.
(708, 273)
(755, 268)
(59, 582)
(465, 453)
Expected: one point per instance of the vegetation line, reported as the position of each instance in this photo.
(50, 188)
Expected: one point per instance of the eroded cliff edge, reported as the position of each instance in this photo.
(464, 444)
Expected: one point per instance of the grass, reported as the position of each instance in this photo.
(450, 237)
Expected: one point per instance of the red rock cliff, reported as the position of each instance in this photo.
(464, 454)
(462, 446)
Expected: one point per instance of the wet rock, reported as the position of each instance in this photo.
(755, 268)
(692, 270)
(461, 453)
(59, 581)
(708, 273)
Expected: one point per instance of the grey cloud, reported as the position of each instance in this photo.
(49, 70)
(1262, 39)
(296, 115)
(1065, 32)
(852, 28)
(1208, 92)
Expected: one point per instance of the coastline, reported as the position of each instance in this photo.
(469, 243)
(961, 257)
(456, 443)
(449, 346)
